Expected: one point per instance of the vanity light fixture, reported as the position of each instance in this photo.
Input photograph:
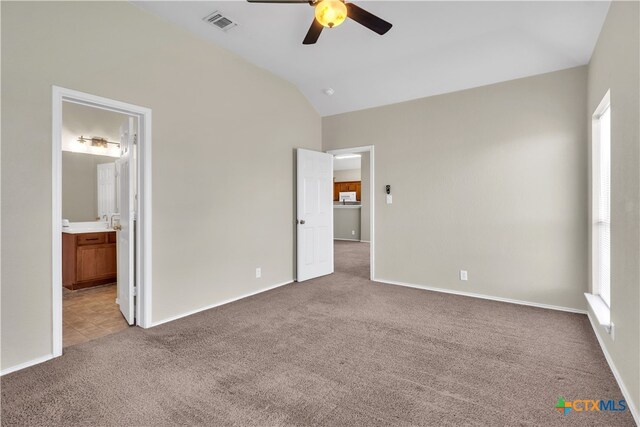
(347, 156)
(97, 141)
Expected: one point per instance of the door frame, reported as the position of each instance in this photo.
(143, 206)
(372, 194)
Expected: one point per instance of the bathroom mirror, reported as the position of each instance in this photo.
(80, 185)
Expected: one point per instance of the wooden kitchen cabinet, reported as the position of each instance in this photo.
(88, 259)
(346, 186)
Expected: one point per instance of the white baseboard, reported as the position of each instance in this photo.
(347, 240)
(482, 296)
(625, 392)
(32, 362)
(218, 304)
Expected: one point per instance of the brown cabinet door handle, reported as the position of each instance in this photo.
(94, 238)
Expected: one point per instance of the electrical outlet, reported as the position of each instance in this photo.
(353, 232)
(463, 275)
(258, 273)
(389, 199)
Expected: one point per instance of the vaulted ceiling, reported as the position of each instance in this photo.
(433, 47)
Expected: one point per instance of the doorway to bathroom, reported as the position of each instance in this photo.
(101, 217)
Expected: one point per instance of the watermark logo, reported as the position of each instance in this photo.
(563, 406)
(589, 405)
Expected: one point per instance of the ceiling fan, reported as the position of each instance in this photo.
(331, 13)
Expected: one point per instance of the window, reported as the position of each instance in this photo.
(601, 187)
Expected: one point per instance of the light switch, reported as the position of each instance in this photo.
(389, 199)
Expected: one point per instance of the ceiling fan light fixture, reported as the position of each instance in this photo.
(331, 13)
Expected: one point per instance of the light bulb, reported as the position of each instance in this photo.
(331, 13)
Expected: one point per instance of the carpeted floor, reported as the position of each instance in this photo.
(338, 350)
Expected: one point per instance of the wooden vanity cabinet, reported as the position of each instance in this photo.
(88, 259)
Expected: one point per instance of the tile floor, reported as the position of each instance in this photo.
(88, 314)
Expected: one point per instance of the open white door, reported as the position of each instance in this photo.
(126, 234)
(314, 214)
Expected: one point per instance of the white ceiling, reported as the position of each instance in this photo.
(433, 47)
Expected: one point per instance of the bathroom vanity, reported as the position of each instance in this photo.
(88, 258)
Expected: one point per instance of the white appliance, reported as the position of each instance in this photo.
(347, 196)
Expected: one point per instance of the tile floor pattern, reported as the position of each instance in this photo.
(88, 314)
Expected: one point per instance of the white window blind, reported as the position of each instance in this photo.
(602, 205)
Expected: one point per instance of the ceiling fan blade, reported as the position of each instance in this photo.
(313, 33)
(367, 19)
(278, 1)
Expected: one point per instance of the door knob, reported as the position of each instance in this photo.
(302, 221)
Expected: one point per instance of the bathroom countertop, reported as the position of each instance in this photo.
(87, 227)
(86, 230)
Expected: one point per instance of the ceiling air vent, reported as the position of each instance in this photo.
(217, 19)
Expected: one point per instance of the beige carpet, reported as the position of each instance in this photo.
(338, 350)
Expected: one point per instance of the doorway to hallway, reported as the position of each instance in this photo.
(321, 202)
(353, 202)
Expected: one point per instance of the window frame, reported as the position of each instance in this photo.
(596, 184)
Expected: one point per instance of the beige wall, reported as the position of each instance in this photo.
(615, 66)
(492, 180)
(80, 185)
(346, 223)
(206, 241)
(346, 175)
